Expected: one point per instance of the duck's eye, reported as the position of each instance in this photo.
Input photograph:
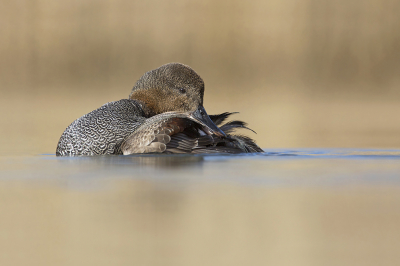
(182, 90)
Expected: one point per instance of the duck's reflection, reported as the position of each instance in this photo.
(154, 161)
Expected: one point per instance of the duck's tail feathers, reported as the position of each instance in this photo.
(233, 125)
(247, 143)
(219, 119)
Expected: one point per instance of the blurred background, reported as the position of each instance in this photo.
(301, 73)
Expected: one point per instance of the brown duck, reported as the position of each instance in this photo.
(164, 114)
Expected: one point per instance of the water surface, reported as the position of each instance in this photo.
(284, 207)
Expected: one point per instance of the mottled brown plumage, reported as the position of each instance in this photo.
(171, 87)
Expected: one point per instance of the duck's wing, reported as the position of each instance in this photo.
(176, 132)
(155, 133)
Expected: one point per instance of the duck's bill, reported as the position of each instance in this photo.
(201, 117)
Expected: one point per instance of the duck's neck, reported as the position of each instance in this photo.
(150, 105)
(148, 112)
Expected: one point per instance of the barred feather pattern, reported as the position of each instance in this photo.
(101, 131)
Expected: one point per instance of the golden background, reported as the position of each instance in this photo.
(301, 73)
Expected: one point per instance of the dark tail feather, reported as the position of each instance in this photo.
(233, 125)
(219, 119)
(232, 143)
(245, 143)
(248, 143)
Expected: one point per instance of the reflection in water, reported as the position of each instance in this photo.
(158, 161)
(150, 166)
(143, 160)
(318, 207)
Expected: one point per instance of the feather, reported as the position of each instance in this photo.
(155, 147)
(233, 125)
(162, 138)
(219, 119)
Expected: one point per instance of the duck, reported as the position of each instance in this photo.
(164, 113)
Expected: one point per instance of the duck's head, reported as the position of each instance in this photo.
(171, 87)
(174, 87)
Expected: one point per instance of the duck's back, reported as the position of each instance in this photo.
(102, 130)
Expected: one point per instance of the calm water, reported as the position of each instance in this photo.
(285, 207)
